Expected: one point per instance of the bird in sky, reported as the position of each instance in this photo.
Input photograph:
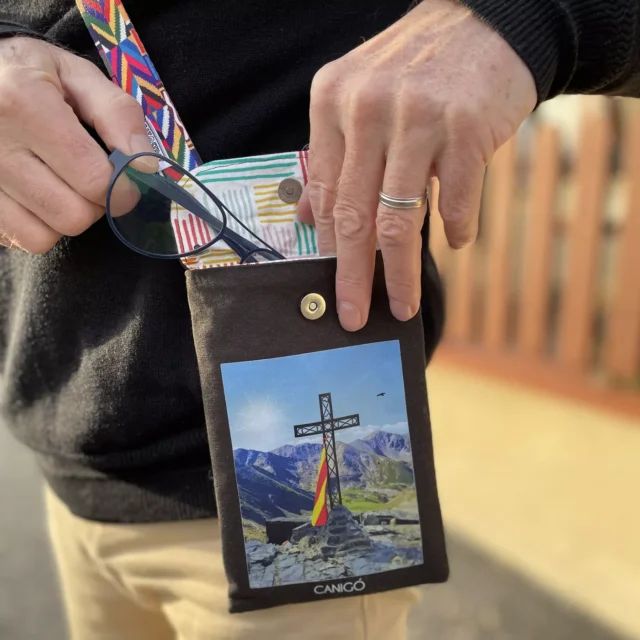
(381, 394)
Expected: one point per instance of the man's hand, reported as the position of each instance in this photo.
(436, 94)
(53, 175)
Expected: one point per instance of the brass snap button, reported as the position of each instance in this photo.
(290, 190)
(313, 306)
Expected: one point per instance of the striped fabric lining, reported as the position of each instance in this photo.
(249, 188)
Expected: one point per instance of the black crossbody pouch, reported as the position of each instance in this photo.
(320, 438)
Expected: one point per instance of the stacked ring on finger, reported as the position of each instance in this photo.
(392, 202)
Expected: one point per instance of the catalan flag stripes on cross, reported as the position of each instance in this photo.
(320, 512)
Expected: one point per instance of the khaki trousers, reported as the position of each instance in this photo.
(166, 582)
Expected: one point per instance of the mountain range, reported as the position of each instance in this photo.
(282, 482)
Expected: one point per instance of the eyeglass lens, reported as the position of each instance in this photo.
(160, 210)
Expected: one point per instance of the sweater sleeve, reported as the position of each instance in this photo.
(33, 18)
(14, 28)
(9, 29)
(571, 46)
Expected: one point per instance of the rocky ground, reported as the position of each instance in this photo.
(397, 536)
(343, 548)
(271, 565)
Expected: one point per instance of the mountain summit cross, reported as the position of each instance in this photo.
(327, 427)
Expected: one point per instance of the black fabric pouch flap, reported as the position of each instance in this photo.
(320, 439)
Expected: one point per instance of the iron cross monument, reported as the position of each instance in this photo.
(327, 427)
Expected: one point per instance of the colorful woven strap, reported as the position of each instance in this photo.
(130, 67)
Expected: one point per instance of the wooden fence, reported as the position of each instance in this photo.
(550, 292)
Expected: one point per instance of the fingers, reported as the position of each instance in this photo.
(461, 176)
(355, 228)
(347, 171)
(115, 115)
(326, 157)
(406, 176)
(67, 148)
(20, 228)
(124, 196)
(30, 183)
(305, 213)
(53, 175)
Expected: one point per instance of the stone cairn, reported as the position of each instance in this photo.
(342, 534)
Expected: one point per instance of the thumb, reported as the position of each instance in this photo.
(116, 116)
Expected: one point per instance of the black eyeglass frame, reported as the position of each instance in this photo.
(243, 248)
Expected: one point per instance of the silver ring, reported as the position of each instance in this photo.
(403, 203)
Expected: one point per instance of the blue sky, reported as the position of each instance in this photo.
(266, 398)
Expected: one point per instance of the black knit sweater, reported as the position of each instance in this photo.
(98, 368)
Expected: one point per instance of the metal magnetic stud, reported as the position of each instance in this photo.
(290, 190)
(313, 306)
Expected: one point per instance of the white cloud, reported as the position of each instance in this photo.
(257, 423)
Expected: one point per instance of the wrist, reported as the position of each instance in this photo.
(537, 31)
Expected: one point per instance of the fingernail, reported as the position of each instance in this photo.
(401, 310)
(140, 144)
(350, 317)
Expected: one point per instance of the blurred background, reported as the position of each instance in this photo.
(535, 402)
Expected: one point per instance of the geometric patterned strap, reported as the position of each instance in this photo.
(130, 68)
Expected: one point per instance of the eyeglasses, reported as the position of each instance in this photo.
(160, 210)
